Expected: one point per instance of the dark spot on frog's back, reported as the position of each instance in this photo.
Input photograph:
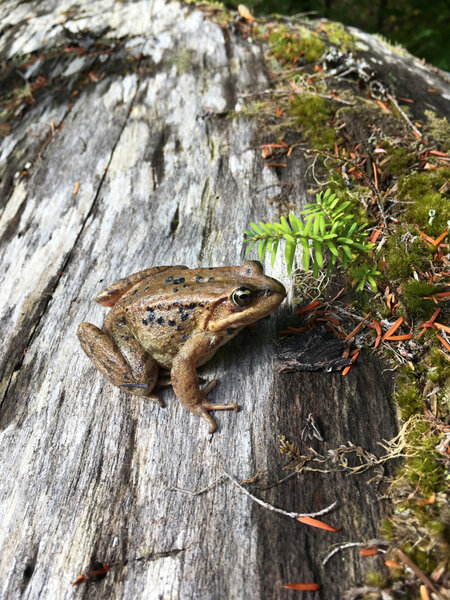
(171, 323)
(179, 280)
(144, 322)
(184, 316)
(149, 309)
(160, 320)
(169, 280)
(175, 290)
(134, 292)
(198, 278)
(190, 306)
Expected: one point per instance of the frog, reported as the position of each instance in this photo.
(166, 321)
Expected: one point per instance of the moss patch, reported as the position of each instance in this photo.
(313, 116)
(404, 253)
(289, 46)
(414, 293)
(438, 130)
(427, 191)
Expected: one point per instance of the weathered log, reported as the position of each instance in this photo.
(108, 172)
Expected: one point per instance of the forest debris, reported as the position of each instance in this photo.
(95, 575)
(305, 587)
(316, 523)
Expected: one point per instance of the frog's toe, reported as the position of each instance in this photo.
(209, 386)
(157, 399)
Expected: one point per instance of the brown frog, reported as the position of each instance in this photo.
(176, 318)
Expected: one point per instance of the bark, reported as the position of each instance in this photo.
(110, 171)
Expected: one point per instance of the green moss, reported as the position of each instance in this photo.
(400, 158)
(438, 367)
(424, 192)
(338, 35)
(375, 578)
(407, 395)
(438, 130)
(288, 46)
(402, 258)
(313, 115)
(413, 296)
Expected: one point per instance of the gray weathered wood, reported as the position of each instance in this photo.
(88, 473)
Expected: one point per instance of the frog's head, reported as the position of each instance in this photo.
(249, 296)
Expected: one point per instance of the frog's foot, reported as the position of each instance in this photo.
(205, 406)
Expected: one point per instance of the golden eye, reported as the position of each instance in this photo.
(243, 296)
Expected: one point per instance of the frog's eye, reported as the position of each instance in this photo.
(243, 296)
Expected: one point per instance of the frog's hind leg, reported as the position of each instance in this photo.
(110, 295)
(129, 368)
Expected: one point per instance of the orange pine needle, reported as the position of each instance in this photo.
(384, 107)
(271, 146)
(279, 112)
(377, 326)
(439, 239)
(392, 564)
(433, 316)
(295, 329)
(308, 307)
(375, 235)
(375, 175)
(305, 587)
(345, 370)
(443, 327)
(368, 551)
(317, 523)
(443, 342)
(357, 328)
(394, 327)
(76, 188)
(430, 500)
(426, 237)
(398, 338)
(438, 153)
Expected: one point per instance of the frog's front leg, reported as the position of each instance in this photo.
(119, 356)
(185, 380)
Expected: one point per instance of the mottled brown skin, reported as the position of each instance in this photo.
(176, 318)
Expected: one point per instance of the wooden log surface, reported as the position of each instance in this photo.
(132, 169)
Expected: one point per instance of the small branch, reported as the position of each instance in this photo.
(199, 492)
(293, 515)
(404, 115)
(288, 92)
(353, 545)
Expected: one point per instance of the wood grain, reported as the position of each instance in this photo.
(90, 474)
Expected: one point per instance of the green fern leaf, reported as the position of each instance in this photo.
(289, 253)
